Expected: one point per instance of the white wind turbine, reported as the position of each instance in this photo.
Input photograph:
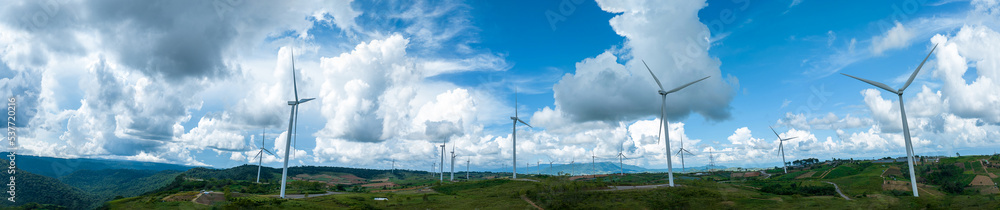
(514, 134)
(442, 162)
(663, 119)
(260, 154)
(681, 153)
(781, 148)
(906, 128)
(621, 164)
(293, 117)
(453, 163)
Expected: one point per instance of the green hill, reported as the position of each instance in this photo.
(34, 188)
(110, 183)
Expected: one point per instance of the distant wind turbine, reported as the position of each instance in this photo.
(260, 154)
(681, 153)
(781, 148)
(906, 128)
(453, 162)
(514, 134)
(663, 119)
(442, 162)
(291, 125)
(621, 165)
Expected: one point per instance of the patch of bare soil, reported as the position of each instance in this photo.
(981, 180)
(806, 175)
(209, 198)
(181, 196)
(896, 185)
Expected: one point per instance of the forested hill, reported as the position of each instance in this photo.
(58, 167)
(107, 184)
(239, 173)
(34, 188)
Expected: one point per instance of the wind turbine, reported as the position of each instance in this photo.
(593, 162)
(538, 166)
(621, 156)
(550, 165)
(442, 162)
(467, 161)
(260, 154)
(906, 128)
(453, 163)
(663, 119)
(291, 124)
(781, 148)
(514, 135)
(681, 153)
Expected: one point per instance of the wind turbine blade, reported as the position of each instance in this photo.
(295, 87)
(256, 156)
(661, 132)
(914, 75)
(659, 129)
(685, 85)
(515, 102)
(876, 84)
(775, 132)
(789, 138)
(306, 100)
(654, 75)
(522, 122)
(268, 151)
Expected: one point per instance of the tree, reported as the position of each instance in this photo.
(226, 192)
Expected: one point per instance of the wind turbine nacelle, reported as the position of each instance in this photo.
(513, 118)
(661, 92)
(293, 102)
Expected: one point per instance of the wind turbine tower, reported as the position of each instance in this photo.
(663, 120)
(906, 128)
(291, 125)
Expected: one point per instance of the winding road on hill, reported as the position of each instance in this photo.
(838, 190)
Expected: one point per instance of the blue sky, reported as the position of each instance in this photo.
(196, 83)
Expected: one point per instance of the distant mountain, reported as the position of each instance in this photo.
(599, 168)
(58, 167)
(249, 172)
